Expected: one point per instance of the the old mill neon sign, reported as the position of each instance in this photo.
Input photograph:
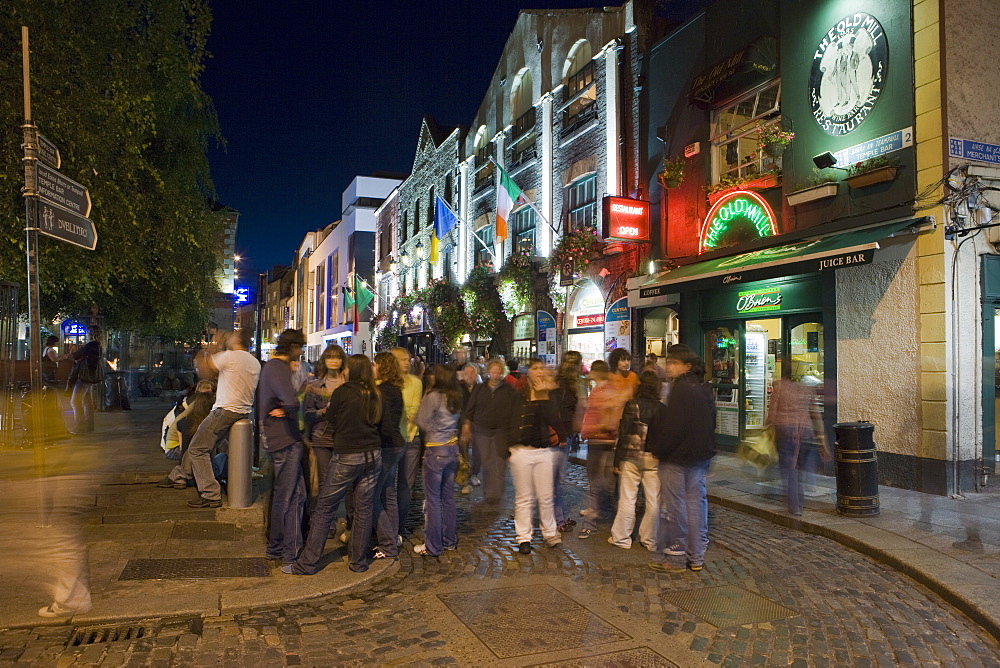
(742, 207)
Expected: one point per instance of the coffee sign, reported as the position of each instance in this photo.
(848, 74)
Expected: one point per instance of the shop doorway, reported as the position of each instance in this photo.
(745, 358)
(661, 328)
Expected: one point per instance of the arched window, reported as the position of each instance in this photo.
(448, 189)
(416, 217)
(430, 206)
(580, 89)
(482, 165)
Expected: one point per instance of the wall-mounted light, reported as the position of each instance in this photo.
(404, 257)
(420, 250)
(826, 161)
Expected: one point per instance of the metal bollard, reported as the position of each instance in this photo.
(239, 469)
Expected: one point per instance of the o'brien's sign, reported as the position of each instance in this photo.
(754, 301)
(735, 217)
(625, 219)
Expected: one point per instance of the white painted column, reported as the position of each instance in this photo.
(613, 128)
(500, 247)
(464, 237)
(545, 234)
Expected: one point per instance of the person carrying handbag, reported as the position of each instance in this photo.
(634, 464)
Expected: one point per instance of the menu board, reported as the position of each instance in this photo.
(727, 418)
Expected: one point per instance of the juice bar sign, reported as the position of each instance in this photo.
(625, 219)
(755, 301)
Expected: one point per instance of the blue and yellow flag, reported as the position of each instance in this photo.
(445, 221)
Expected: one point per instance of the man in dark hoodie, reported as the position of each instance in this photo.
(682, 438)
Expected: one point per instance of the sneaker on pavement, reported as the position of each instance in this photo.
(524, 548)
(422, 550)
(56, 610)
(474, 480)
(586, 533)
(696, 567)
(674, 551)
(664, 567)
(553, 544)
(167, 483)
(204, 503)
(565, 527)
(611, 540)
(344, 537)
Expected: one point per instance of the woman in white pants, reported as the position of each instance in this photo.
(536, 427)
(634, 464)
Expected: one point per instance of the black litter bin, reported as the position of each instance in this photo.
(857, 469)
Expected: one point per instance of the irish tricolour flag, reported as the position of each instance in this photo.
(509, 195)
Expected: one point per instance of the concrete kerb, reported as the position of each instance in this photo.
(959, 584)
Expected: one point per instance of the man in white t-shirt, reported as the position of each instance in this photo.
(238, 372)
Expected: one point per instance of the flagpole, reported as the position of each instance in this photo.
(530, 203)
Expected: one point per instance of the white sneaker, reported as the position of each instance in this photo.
(56, 610)
(474, 480)
(344, 537)
(420, 549)
(674, 551)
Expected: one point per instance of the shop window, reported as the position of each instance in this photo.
(523, 225)
(734, 134)
(484, 245)
(581, 198)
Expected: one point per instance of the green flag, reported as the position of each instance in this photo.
(363, 295)
(348, 300)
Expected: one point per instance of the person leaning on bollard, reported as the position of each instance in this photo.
(238, 372)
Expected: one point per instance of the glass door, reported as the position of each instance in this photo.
(763, 343)
(723, 362)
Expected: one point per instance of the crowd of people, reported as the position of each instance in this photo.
(358, 432)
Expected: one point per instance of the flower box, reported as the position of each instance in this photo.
(822, 191)
(880, 175)
(762, 183)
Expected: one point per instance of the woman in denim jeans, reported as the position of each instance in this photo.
(438, 417)
(682, 438)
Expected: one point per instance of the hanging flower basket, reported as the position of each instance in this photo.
(865, 179)
(669, 183)
(774, 150)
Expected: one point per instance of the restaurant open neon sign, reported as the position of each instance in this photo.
(625, 219)
(739, 209)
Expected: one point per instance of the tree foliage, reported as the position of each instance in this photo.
(116, 86)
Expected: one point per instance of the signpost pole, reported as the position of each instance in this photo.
(34, 314)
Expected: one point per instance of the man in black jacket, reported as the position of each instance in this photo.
(682, 438)
(485, 420)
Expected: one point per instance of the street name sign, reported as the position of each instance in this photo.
(65, 226)
(54, 188)
(974, 150)
(49, 153)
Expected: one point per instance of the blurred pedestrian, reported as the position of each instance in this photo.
(682, 438)
(799, 434)
(514, 377)
(620, 366)
(50, 362)
(535, 431)
(87, 373)
(485, 422)
(468, 379)
(238, 373)
(390, 384)
(438, 417)
(635, 464)
(568, 399)
(353, 413)
(600, 428)
(406, 476)
(278, 415)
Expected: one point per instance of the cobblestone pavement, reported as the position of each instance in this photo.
(768, 596)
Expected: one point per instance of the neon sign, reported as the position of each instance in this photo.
(754, 301)
(741, 208)
(74, 329)
(625, 219)
(242, 295)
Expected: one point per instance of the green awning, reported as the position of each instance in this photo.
(835, 251)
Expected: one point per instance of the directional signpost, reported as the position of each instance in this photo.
(54, 188)
(66, 226)
(48, 153)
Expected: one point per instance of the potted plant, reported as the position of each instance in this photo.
(672, 173)
(821, 185)
(730, 182)
(772, 139)
(880, 169)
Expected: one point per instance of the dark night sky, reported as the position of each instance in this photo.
(310, 94)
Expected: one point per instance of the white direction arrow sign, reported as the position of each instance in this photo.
(60, 190)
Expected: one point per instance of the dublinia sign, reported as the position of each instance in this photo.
(739, 216)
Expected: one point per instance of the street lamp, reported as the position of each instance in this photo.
(404, 257)
(420, 250)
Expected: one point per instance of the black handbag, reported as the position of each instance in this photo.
(88, 370)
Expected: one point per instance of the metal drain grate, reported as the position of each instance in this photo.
(727, 606)
(181, 569)
(93, 635)
(204, 531)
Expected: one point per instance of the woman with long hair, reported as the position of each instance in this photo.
(88, 371)
(390, 385)
(438, 417)
(600, 428)
(199, 407)
(329, 376)
(535, 430)
(682, 438)
(353, 414)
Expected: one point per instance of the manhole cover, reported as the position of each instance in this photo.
(628, 658)
(518, 621)
(727, 606)
(180, 569)
(204, 531)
